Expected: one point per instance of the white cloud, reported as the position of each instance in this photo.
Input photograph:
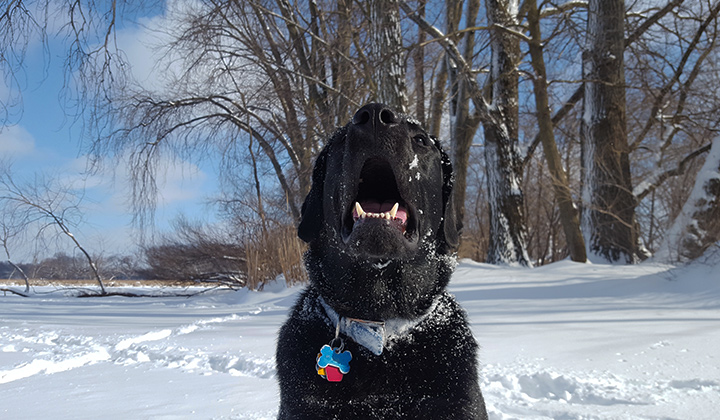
(179, 182)
(138, 45)
(16, 141)
(145, 46)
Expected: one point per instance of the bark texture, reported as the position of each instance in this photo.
(504, 165)
(609, 204)
(387, 51)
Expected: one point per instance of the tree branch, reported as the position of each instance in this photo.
(552, 11)
(464, 69)
(579, 92)
(651, 21)
(6, 290)
(646, 188)
(559, 115)
(675, 79)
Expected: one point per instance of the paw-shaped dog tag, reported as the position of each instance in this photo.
(333, 363)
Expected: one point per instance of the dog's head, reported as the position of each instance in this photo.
(383, 186)
(380, 196)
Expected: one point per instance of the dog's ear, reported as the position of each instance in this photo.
(451, 225)
(311, 218)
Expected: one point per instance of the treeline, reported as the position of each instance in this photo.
(62, 266)
(172, 262)
(200, 258)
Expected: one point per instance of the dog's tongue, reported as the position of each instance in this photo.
(375, 208)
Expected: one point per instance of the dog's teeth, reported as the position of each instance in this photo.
(360, 213)
(393, 211)
(359, 210)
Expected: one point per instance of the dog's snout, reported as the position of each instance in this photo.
(362, 117)
(374, 115)
(386, 117)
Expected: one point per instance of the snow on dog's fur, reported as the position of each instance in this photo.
(381, 231)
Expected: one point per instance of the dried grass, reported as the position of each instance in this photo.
(279, 251)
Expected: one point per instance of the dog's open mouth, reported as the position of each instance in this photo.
(379, 201)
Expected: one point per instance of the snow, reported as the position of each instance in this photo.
(563, 341)
(697, 201)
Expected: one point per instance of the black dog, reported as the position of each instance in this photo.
(375, 335)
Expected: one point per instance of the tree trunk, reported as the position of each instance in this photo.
(258, 192)
(463, 124)
(387, 54)
(341, 66)
(609, 206)
(419, 64)
(502, 157)
(500, 120)
(568, 213)
(22, 273)
(697, 227)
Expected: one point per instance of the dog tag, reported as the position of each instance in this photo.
(332, 362)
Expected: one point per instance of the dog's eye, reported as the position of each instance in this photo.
(422, 139)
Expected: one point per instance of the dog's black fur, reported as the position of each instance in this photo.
(375, 270)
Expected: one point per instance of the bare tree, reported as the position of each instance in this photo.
(570, 30)
(609, 205)
(464, 121)
(282, 73)
(12, 227)
(93, 63)
(546, 133)
(504, 166)
(678, 117)
(46, 204)
(503, 161)
(201, 262)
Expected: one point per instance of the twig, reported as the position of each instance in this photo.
(5, 290)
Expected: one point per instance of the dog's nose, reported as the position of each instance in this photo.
(374, 115)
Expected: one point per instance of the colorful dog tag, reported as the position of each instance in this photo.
(332, 362)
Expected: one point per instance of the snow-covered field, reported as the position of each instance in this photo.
(564, 341)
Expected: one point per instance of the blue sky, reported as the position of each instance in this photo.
(43, 139)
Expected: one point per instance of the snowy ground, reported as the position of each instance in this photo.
(565, 341)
